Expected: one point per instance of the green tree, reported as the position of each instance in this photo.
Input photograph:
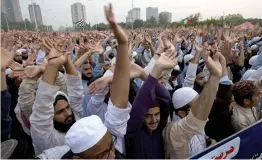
(100, 26)
(234, 19)
(153, 21)
(122, 24)
(138, 23)
(163, 20)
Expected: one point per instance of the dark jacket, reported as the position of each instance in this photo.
(219, 126)
(5, 118)
(139, 141)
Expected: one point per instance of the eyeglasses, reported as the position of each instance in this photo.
(106, 153)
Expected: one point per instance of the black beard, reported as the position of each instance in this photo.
(25, 57)
(63, 128)
(20, 62)
(86, 78)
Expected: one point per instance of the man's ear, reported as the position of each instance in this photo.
(181, 114)
(247, 102)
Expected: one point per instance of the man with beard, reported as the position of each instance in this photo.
(194, 76)
(84, 65)
(55, 112)
(87, 75)
(18, 57)
(24, 54)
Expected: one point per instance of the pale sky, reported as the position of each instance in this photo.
(58, 12)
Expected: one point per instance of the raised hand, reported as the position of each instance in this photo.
(32, 71)
(226, 50)
(16, 66)
(167, 60)
(161, 47)
(98, 86)
(58, 51)
(177, 38)
(136, 71)
(198, 48)
(117, 30)
(98, 47)
(214, 64)
(8, 41)
(31, 59)
(6, 58)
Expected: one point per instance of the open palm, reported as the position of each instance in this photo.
(6, 58)
(32, 71)
(16, 66)
(167, 60)
(109, 14)
(117, 30)
(97, 86)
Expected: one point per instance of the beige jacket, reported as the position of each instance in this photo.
(243, 117)
(178, 134)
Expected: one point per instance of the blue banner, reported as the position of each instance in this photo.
(246, 144)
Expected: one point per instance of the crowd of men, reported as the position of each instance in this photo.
(140, 94)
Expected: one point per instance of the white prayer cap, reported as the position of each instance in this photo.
(253, 60)
(183, 96)
(21, 51)
(134, 54)
(85, 133)
(177, 68)
(188, 58)
(253, 47)
(62, 94)
(18, 52)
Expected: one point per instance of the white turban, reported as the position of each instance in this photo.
(188, 58)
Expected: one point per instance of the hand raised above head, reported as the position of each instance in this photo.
(117, 30)
(167, 60)
(214, 64)
(6, 58)
(98, 86)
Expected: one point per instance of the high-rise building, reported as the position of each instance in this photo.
(12, 10)
(168, 15)
(133, 15)
(151, 12)
(78, 12)
(35, 14)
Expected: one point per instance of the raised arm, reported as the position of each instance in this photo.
(80, 61)
(120, 84)
(203, 104)
(6, 120)
(192, 68)
(118, 109)
(241, 58)
(150, 91)
(27, 90)
(42, 129)
(74, 88)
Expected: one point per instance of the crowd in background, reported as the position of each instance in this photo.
(140, 94)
